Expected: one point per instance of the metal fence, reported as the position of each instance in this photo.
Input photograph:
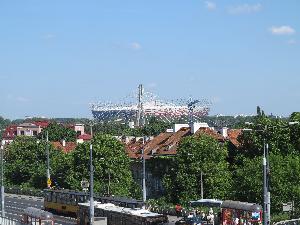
(289, 222)
(7, 221)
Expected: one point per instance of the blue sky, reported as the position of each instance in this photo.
(58, 56)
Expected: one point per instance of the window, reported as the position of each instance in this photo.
(34, 133)
(22, 132)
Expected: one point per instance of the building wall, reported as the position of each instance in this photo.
(28, 131)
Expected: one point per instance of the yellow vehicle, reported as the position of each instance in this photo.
(63, 201)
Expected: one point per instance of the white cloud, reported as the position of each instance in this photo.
(282, 30)
(135, 46)
(245, 9)
(210, 5)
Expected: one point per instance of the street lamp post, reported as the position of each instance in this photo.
(266, 191)
(265, 185)
(2, 185)
(91, 179)
(91, 186)
(144, 174)
(201, 180)
(48, 162)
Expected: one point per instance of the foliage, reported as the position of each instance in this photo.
(57, 132)
(153, 127)
(25, 162)
(110, 161)
(196, 154)
(295, 116)
(227, 121)
(3, 124)
(275, 132)
(285, 180)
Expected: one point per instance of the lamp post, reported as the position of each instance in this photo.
(91, 186)
(266, 191)
(144, 173)
(201, 179)
(265, 185)
(2, 184)
(48, 162)
(108, 187)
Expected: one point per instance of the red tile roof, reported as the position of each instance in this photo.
(70, 146)
(133, 148)
(42, 124)
(9, 133)
(233, 135)
(210, 132)
(166, 143)
(85, 137)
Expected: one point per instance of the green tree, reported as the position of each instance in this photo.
(155, 126)
(3, 124)
(295, 116)
(196, 154)
(25, 162)
(284, 182)
(275, 132)
(109, 160)
(57, 132)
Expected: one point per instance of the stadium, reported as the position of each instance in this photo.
(146, 107)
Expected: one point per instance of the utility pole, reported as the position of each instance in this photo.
(108, 188)
(144, 173)
(91, 186)
(140, 107)
(201, 179)
(265, 187)
(2, 184)
(48, 162)
(268, 200)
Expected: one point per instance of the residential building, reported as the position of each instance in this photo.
(163, 147)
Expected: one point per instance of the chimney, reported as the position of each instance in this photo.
(63, 143)
(131, 124)
(197, 126)
(177, 127)
(224, 132)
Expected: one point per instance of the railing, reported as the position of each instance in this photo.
(24, 191)
(7, 221)
(289, 222)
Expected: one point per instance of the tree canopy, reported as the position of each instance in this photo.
(58, 132)
(195, 155)
(25, 162)
(3, 124)
(111, 165)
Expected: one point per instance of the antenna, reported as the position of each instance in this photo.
(140, 107)
(191, 106)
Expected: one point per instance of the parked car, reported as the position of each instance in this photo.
(190, 221)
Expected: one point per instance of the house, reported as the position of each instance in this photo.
(9, 134)
(83, 138)
(163, 147)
